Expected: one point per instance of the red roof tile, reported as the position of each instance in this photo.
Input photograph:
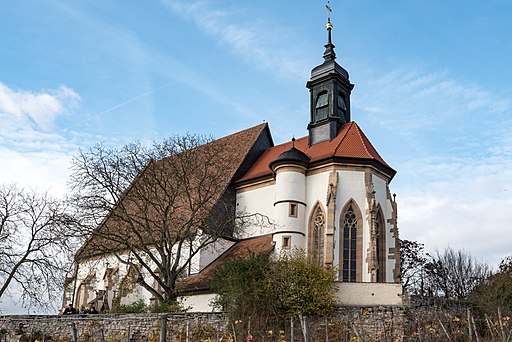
(241, 250)
(350, 142)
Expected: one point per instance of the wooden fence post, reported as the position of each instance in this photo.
(187, 337)
(74, 331)
(163, 328)
(292, 335)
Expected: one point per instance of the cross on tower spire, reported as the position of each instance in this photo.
(329, 10)
(329, 53)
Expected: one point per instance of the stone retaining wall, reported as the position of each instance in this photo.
(90, 328)
(371, 323)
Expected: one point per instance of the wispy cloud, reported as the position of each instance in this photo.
(454, 184)
(37, 108)
(252, 40)
(411, 98)
(32, 152)
(458, 203)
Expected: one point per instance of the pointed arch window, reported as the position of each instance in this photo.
(381, 247)
(317, 235)
(351, 243)
(322, 106)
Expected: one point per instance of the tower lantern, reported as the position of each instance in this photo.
(330, 89)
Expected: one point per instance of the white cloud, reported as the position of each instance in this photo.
(32, 153)
(454, 180)
(459, 205)
(44, 171)
(413, 99)
(38, 108)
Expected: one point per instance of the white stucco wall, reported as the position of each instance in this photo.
(208, 254)
(257, 201)
(381, 195)
(198, 303)
(369, 294)
(290, 186)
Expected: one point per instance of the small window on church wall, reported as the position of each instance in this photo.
(317, 237)
(349, 246)
(292, 212)
(322, 106)
(287, 242)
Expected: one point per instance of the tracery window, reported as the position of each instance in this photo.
(349, 245)
(317, 238)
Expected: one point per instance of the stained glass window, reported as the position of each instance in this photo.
(349, 245)
(318, 236)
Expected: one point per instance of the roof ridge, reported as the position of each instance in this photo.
(263, 125)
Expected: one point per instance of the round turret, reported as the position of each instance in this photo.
(290, 173)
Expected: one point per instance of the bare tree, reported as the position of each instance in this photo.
(155, 208)
(34, 246)
(455, 272)
(412, 263)
(496, 290)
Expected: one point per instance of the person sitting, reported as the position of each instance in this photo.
(70, 310)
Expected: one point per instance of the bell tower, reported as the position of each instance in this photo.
(329, 88)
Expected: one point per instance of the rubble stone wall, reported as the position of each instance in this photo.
(371, 323)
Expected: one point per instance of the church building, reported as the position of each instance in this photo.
(327, 193)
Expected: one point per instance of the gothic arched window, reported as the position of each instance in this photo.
(316, 235)
(322, 106)
(381, 247)
(351, 243)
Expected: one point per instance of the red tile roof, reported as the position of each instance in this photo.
(350, 143)
(241, 250)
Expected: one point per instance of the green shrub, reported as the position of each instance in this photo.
(135, 307)
(162, 307)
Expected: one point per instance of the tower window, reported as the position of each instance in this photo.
(287, 242)
(341, 103)
(322, 106)
(292, 211)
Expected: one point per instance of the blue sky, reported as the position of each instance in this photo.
(432, 91)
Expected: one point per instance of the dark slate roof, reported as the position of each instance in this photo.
(292, 155)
